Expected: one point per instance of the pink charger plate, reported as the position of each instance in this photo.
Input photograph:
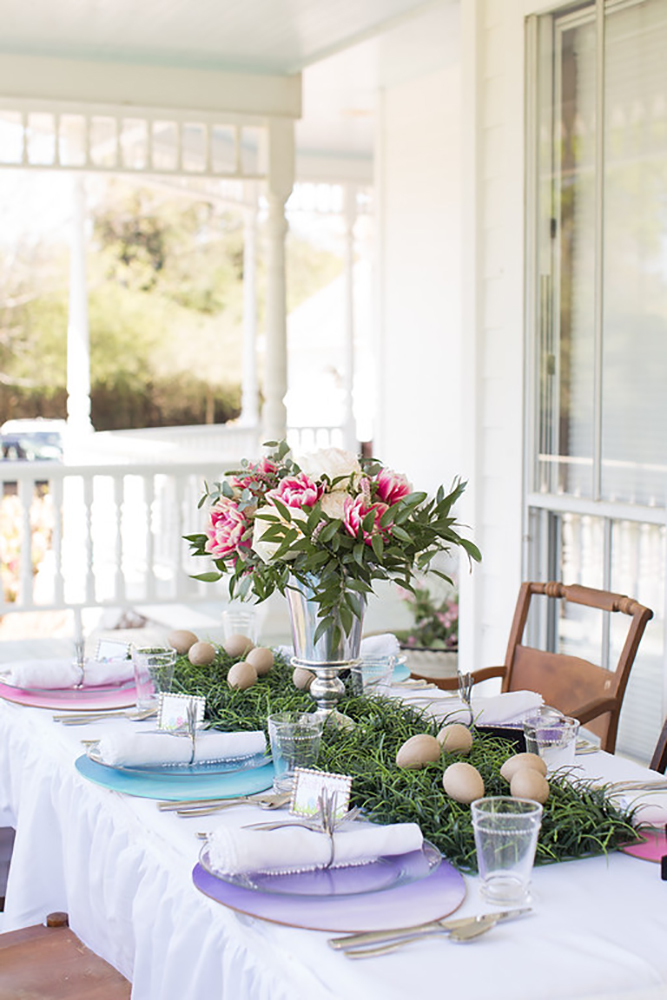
(652, 848)
(74, 699)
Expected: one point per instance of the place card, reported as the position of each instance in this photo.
(172, 712)
(309, 786)
(112, 649)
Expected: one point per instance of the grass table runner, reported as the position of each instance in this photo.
(578, 821)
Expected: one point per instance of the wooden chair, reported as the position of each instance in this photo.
(571, 684)
(51, 963)
(659, 758)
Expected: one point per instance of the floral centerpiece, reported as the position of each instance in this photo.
(331, 521)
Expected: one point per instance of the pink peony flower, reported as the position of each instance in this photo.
(226, 531)
(353, 516)
(297, 491)
(392, 486)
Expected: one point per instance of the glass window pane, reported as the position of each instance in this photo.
(638, 570)
(634, 402)
(566, 361)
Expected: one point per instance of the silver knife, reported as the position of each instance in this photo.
(432, 927)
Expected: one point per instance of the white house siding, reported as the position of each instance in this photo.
(492, 34)
(418, 187)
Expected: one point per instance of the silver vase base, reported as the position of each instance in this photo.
(327, 688)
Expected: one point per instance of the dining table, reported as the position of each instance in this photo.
(123, 871)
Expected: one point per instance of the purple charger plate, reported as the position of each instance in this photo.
(74, 699)
(431, 898)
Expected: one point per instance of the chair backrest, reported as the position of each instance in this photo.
(569, 683)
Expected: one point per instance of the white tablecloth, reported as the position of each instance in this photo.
(122, 870)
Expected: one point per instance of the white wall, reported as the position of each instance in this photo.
(492, 52)
(418, 191)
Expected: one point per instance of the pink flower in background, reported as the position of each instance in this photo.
(392, 486)
(354, 513)
(260, 477)
(297, 491)
(225, 534)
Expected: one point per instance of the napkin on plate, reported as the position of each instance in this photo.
(487, 710)
(236, 851)
(50, 674)
(122, 748)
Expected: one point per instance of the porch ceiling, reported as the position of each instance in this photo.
(346, 49)
(254, 36)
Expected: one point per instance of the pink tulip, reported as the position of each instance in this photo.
(392, 486)
(353, 516)
(226, 531)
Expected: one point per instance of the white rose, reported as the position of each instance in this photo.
(333, 463)
(333, 503)
(267, 550)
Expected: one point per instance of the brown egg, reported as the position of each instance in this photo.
(237, 645)
(201, 654)
(302, 678)
(181, 640)
(463, 782)
(418, 751)
(527, 783)
(521, 760)
(241, 676)
(261, 659)
(455, 738)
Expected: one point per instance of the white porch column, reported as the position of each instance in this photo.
(249, 388)
(279, 185)
(350, 216)
(78, 339)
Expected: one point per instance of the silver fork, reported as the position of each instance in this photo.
(468, 933)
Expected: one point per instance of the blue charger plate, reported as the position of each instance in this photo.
(174, 789)
(401, 673)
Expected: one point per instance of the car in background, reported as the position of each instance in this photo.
(38, 440)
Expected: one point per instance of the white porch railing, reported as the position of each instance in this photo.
(108, 531)
(94, 536)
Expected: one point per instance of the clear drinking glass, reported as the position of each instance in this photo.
(552, 736)
(153, 673)
(295, 742)
(373, 675)
(506, 831)
(240, 621)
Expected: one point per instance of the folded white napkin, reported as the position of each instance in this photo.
(295, 848)
(122, 748)
(487, 710)
(651, 807)
(65, 673)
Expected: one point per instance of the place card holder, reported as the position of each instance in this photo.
(112, 649)
(176, 712)
(309, 787)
